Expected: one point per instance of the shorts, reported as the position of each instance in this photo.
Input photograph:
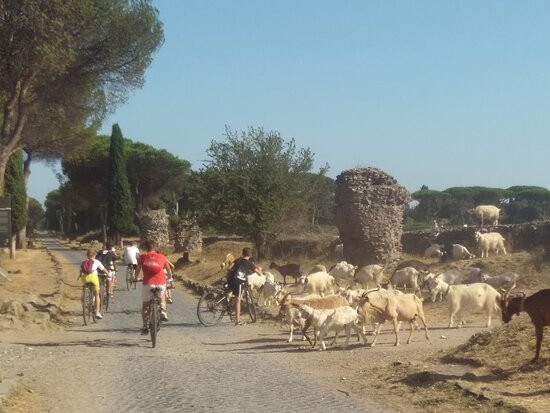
(92, 279)
(109, 275)
(235, 285)
(147, 291)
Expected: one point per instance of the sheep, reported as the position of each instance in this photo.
(326, 320)
(269, 277)
(369, 274)
(291, 314)
(317, 268)
(536, 305)
(405, 307)
(271, 290)
(406, 277)
(486, 213)
(434, 250)
(342, 270)
(319, 283)
(461, 252)
(472, 297)
(491, 241)
(417, 265)
(256, 281)
(506, 281)
(288, 269)
(351, 295)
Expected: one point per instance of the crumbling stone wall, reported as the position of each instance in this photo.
(369, 214)
(188, 236)
(154, 226)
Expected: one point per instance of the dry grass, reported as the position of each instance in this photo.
(497, 360)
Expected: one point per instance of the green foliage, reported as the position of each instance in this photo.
(519, 204)
(156, 177)
(15, 189)
(255, 180)
(120, 204)
(36, 216)
(65, 64)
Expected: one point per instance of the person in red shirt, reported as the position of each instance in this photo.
(153, 264)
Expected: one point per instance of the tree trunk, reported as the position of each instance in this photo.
(12, 247)
(3, 164)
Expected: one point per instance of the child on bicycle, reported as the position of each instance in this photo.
(237, 277)
(88, 272)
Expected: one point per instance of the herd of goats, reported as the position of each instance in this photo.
(317, 300)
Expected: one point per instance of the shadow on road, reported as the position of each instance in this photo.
(87, 343)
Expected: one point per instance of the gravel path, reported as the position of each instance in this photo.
(110, 367)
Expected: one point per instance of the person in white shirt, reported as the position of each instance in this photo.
(131, 255)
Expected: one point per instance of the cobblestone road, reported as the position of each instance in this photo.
(110, 367)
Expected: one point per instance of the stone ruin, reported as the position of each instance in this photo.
(370, 205)
(154, 226)
(188, 236)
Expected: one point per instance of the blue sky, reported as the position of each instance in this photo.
(442, 93)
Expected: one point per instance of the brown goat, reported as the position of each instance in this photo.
(536, 305)
(288, 269)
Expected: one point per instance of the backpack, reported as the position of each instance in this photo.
(103, 257)
(87, 266)
(239, 272)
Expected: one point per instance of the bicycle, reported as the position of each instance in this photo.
(215, 303)
(88, 303)
(104, 295)
(130, 277)
(154, 315)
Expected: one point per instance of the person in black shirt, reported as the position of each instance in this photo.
(108, 258)
(237, 275)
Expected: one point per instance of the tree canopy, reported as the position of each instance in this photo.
(68, 60)
(253, 180)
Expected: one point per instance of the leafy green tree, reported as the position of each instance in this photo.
(121, 208)
(251, 181)
(36, 216)
(156, 176)
(15, 189)
(56, 53)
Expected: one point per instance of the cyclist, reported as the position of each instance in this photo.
(152, 263)
(88, 272)
(108, 258)
(131, 255)
(237, 276)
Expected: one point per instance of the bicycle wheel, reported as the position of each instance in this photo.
(251, 307)
(104, 296)
(211, 308)
(85, 304)
(129, 277)
(91, 304)
(154, 321)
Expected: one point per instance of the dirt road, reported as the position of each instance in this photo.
(110, 367)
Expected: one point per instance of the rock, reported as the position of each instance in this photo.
(154, 226)
(369, 214)
(188, 236)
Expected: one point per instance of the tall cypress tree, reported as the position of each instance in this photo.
(15, 189)
(121, 207)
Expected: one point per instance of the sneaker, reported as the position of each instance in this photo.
(163, 316)
(144, 330)
(98, 316)
(170, 301)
